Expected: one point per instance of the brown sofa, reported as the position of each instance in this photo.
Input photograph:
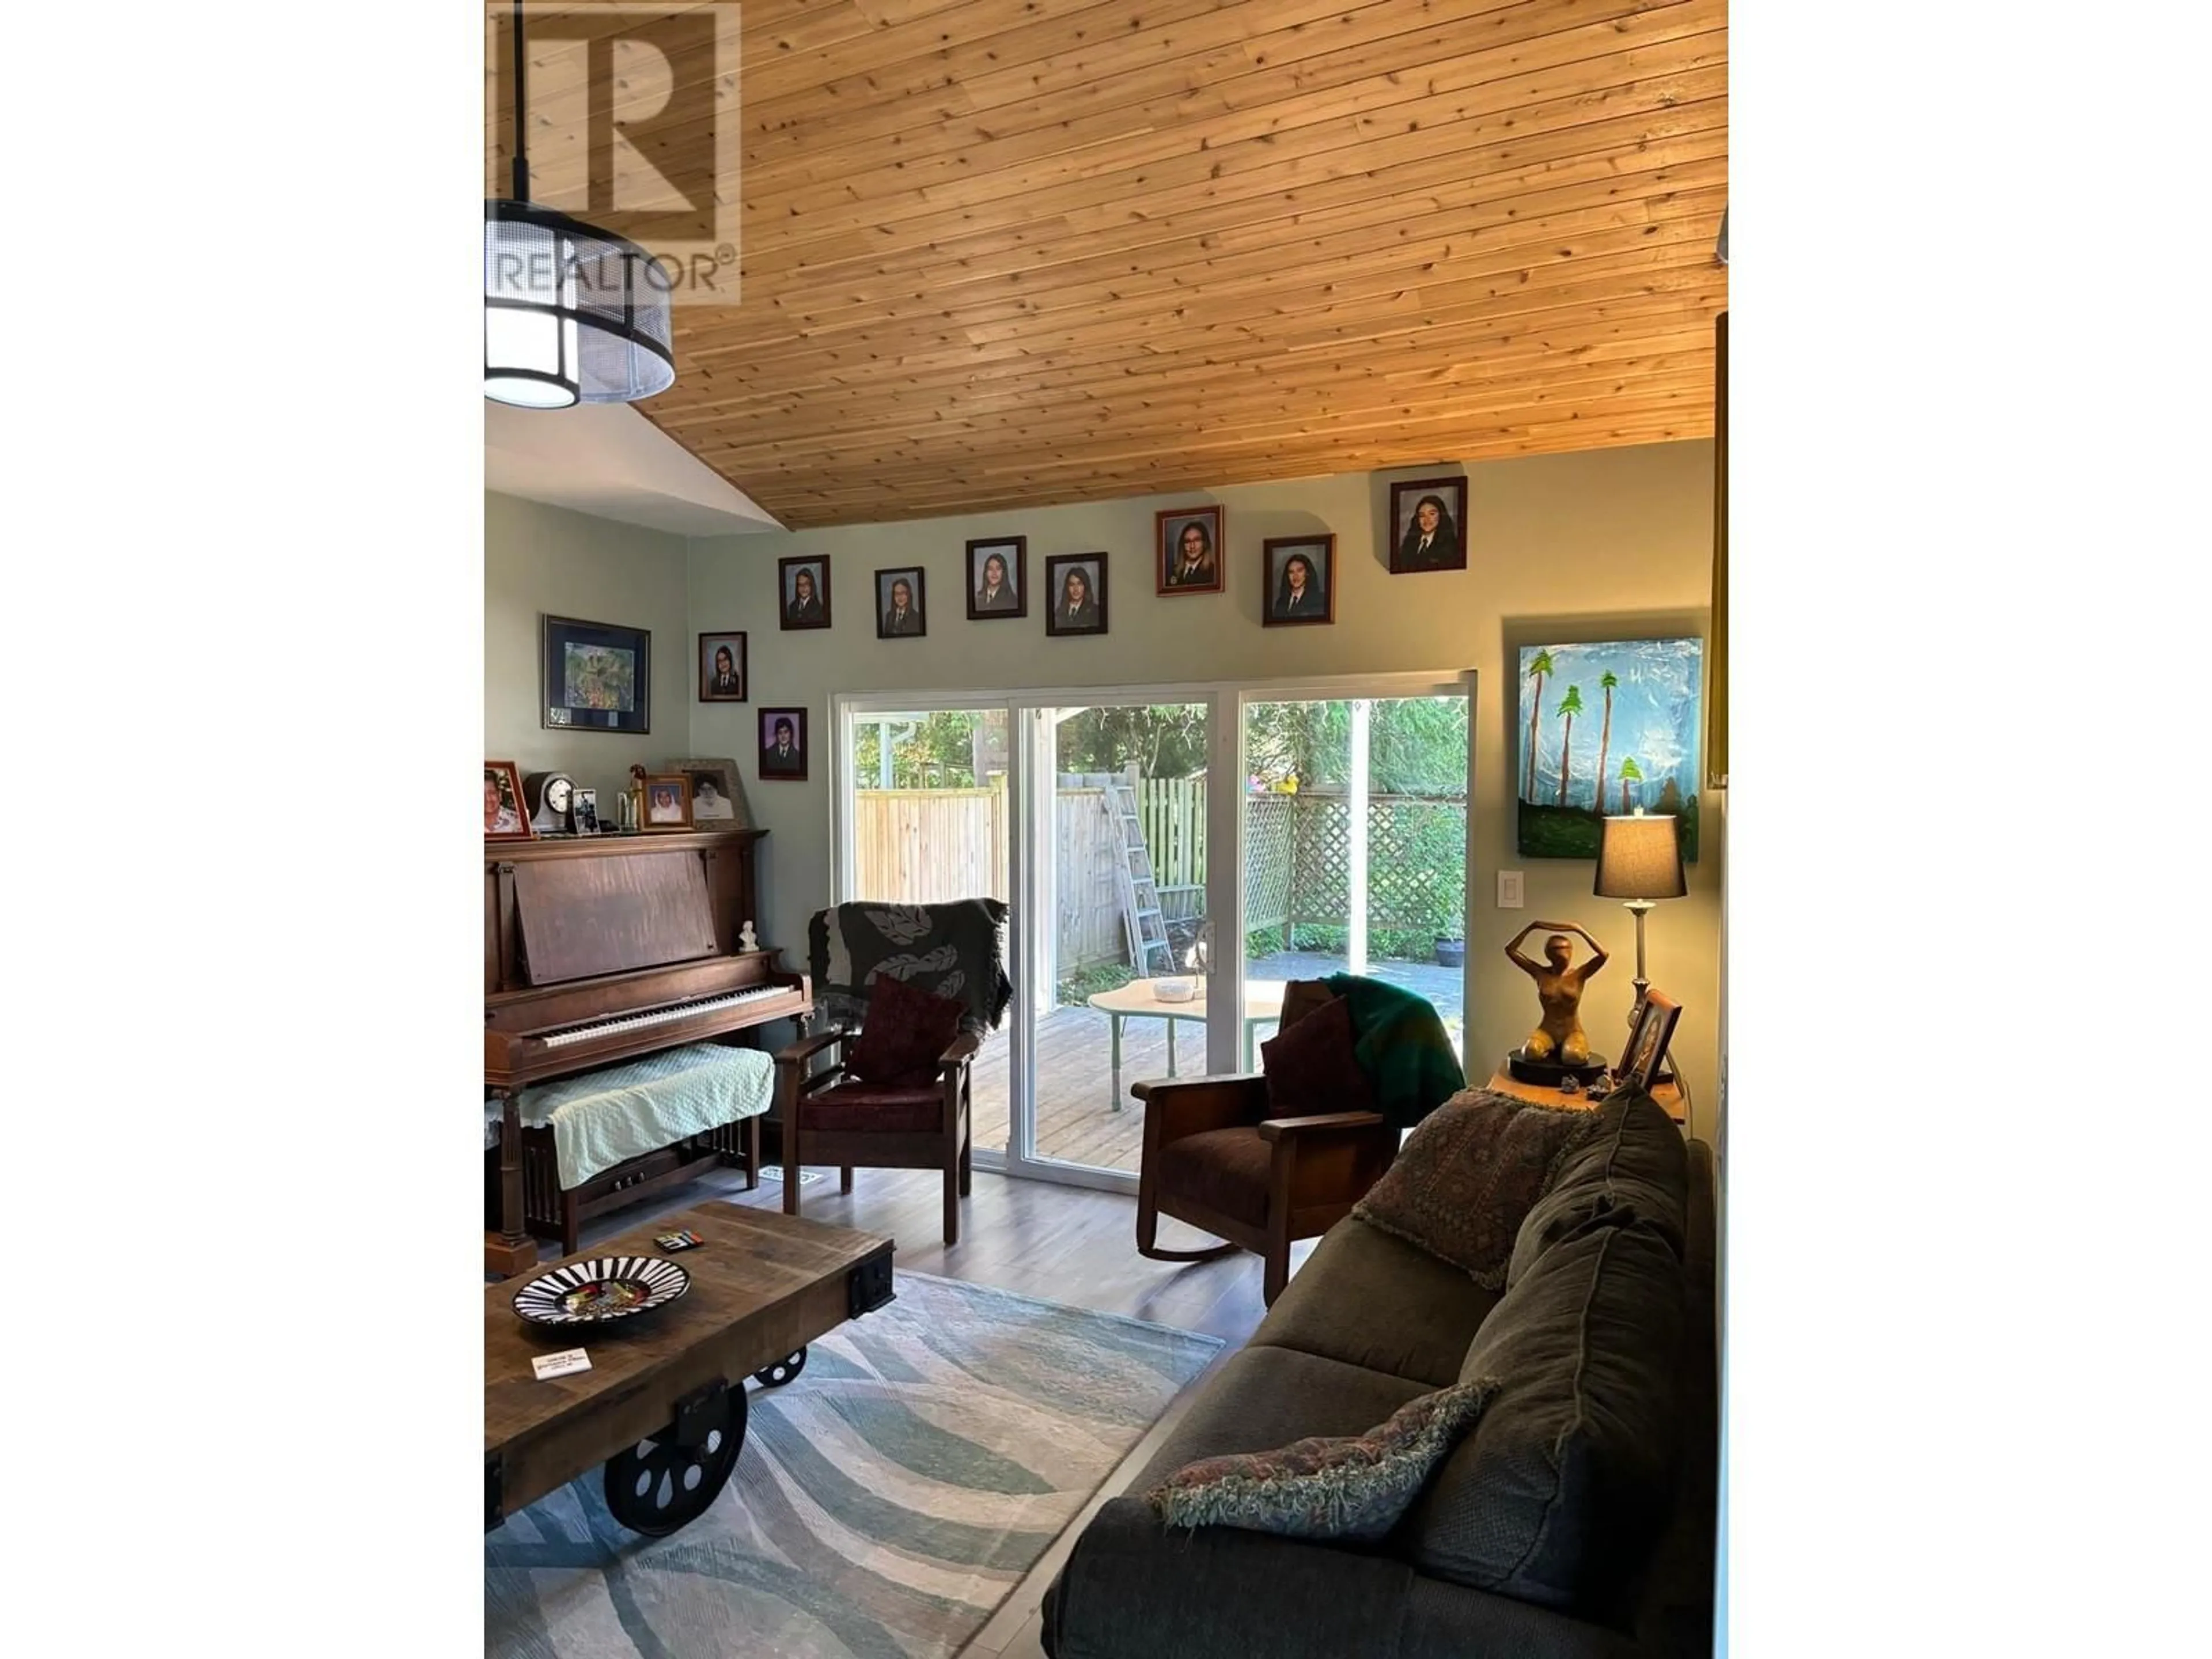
(1576, 1519)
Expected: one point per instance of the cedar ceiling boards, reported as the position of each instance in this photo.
(1003, 253)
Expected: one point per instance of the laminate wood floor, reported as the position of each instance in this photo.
(1068, 1244)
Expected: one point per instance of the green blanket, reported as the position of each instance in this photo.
(1402, 1049)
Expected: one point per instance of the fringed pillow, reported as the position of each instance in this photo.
(1327, 1486)
(1464, 1181)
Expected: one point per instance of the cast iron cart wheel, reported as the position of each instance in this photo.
(667, 1481)
(784, 1370)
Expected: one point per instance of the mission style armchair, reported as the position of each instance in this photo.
(1215, 1157)
(908, 1103)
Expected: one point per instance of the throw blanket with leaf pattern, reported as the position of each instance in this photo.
(956, 950)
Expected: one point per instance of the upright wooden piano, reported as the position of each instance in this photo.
(600, 950)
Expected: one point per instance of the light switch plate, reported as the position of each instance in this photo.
(1509, 889)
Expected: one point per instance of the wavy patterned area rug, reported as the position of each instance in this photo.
(885, 1504)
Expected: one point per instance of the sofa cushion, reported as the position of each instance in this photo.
(1310, 1066)
(1326, 1485)
(1634, 1165)
(1370, 1299)
(1558, 1492)
(1225, 1170)
(874, 1106)
(1262, 1397)
(906, 1029)
(1465, 1181)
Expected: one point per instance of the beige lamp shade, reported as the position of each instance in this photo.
(1640, 858)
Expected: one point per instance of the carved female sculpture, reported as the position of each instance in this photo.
(1559, 989)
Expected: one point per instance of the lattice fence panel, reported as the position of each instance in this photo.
(1416, 865)
(1270, 859)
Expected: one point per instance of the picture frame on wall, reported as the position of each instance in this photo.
(721, 668)
(594, 676)
(901, 613)
(1300, 574)
(667, 797)
(998, 578)
(718, 794)
(504, 817)
(1188, 549)
(1428, 525)
(1075, 594)
(803, 591)
(783, 745)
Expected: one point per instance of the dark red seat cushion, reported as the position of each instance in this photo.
(906, 1029)
(1225, 1170)
(1310, 1066)
(883, 1107)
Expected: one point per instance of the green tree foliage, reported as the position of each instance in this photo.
(1415, 745)
(938, 752)
(1168, 741)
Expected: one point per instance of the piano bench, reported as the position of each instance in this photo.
(552, 1212)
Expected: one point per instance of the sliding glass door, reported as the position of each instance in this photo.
(1171, 856)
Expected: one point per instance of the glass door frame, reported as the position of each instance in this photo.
(1030, 755)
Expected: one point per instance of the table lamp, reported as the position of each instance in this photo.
(1640, 859)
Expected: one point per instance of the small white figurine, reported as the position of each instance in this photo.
(747, 941)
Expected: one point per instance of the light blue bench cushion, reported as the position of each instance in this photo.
(603, 1118)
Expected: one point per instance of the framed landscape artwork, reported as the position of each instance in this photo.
(1604, 728)
(595, 677)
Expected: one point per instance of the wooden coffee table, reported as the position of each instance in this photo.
(663, 1405)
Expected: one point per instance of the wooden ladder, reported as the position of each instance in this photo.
(1142, 921)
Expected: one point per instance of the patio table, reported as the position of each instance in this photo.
(1263, 1001)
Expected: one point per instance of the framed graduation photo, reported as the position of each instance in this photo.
(783, 744)
(803, 591)
(899, 613)
(1428, 525)
(1301, 577)
(1075, 591)
(1188, 549)
(721, 668)
(998, 578)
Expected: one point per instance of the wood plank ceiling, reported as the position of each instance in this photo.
(1009, 253)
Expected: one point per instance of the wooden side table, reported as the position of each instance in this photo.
(1669, 1096)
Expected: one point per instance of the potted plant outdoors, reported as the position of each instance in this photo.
(1451, 951)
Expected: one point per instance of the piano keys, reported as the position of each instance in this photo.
(601, 950)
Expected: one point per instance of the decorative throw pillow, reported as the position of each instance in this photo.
(1635, 1166)
(906, 1029)
(1465, 1181)
(1327, 1486)
(1309, 1067)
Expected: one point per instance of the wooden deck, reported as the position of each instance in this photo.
(1075, 1065)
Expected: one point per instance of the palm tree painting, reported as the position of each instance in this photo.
(1534, 669)
(1606, 681)
(1569, 706)
(1651, 697)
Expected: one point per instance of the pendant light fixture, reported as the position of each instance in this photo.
(572, 313)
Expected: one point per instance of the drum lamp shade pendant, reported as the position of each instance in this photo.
(572, 313)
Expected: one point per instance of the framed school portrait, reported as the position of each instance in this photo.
(1428, 525)
(1186, 549)
(721, 668)
(1075, 591)
(899, 605)
(803, 591)
(1300, 572)
(783, 745)
(998, 578)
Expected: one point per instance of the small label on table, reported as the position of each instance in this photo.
(559, 1364)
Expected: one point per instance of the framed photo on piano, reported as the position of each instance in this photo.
(594, 676)
(504, 819)
(718, 798)
(667, 801)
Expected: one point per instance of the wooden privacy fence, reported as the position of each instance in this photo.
(928, 846)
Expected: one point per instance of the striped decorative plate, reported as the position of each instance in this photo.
(605, 1288)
